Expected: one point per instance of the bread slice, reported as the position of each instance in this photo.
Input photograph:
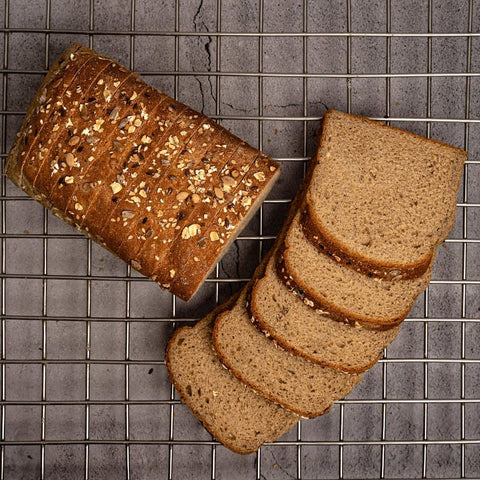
(298, 328)
(234, 414)
(342, 292)
(381, 199)
(289, 380)
(103, 157)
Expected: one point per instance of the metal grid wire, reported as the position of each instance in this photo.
(77, 395)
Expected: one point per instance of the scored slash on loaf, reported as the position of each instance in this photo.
(316, 314)
(158, 184)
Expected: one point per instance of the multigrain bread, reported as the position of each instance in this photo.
(233, 413)
(103, 150)
(235, 214)
(297, 384)
(305, 350)
(138, 190)
(187, 202)
(342, 292)
(78, 148)
(381, 199)
(122, 139)
(311, 334)
(45, 107)
(174, 190)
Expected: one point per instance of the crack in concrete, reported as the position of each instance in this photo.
(197, 13)
(237, 258)
(321, 103)
(201, 93)
(202, 26)
(244, 110)
(209, 58)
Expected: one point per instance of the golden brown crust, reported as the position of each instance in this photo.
(340, 252)
(65, 156)
(299, 288)
(129, 174)
(93, 183)
(186, 208)
(31, 125)
(71, 157)
(223, 228)
(84, 86)
(42, 152)
(185, 134)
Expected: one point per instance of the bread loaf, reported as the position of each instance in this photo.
(125, 164)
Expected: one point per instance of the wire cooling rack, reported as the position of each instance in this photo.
(84, 389)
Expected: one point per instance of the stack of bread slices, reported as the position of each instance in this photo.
(353, 255)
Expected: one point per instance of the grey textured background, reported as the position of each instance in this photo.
(54, 280)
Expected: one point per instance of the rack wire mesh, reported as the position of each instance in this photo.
(84, 390)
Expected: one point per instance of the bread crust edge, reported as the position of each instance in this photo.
(339, 251)
(256, 319)
(336, 313)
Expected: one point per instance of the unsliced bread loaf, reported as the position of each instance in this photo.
(381, 198)
(234, 414)
(305, 331)
(105, 152)
(342, 292)
(297, 384)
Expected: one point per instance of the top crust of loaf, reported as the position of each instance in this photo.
(12, 166)
(381, 198)
(106, 153)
